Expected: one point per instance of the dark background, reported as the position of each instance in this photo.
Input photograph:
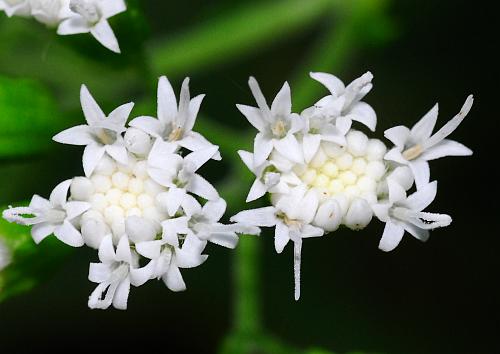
(438, 297)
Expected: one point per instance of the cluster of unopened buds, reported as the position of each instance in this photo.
(71, 16)
(141, 203)
(321, 173)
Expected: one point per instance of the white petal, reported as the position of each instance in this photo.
(396, 192)
(422, 198)
(281, 237)
(253, 115)
(200, 157)
(201, 187)
(173, 227)
(445, 148)
(162, 155)
(396, 156)
(139, 276)
(421, 171)
(214, 209)
(40, 231)
(417, 232)
(91, 157)
(76, 208)
(381, 211)
(123, 253)
(257, 190)
(391, 237)
(190, 205)
(194, 108)
(107, 250)
(39, 203)
(424, 127)
(93, 113)
(332, 83)
(172, 199)
(120, 297)
(167, 102)
(184, 100)
(104, 34)
(362, 112)
(258, 217)
(290, 148)
(99, 272)
(68, 234)
(398, 135)
(149, 249)
(224, 239)
(150, 125)
(79, 135)
(173, 279)
(118, 151)
(60, 193)
(95, 300)
(282, 104)
(73, 25)
(262, 149)
(308, 231)
(194, 141)
(259, 97)
(310, 145)
(120, 114)
(188, 259)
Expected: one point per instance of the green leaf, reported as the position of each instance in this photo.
(28, 117)
(31, 264)
(244, 30)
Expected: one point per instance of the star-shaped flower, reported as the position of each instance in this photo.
(53, 216)
(100, 135)
(417, 146)
(92, 16)
(277, 125)
(401, 213)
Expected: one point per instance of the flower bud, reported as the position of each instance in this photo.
(357, 143)
(359, 214)
(328, 216)
(139, 229)
(81, 188)
(93, 229)
(137, 141)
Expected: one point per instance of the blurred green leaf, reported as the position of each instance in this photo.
(234, 34)
(31, 264)
(28, 117)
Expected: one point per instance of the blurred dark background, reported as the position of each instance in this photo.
(438, 297)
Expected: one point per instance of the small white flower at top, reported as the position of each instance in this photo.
(326, 173)
(72, 16)
(142, 204)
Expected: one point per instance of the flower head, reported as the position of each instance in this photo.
(327, 174)
(142, 204)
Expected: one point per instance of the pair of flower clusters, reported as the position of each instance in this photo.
(71, 16)
(141, 203)
(321, 173)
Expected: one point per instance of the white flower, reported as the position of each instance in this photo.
(50, 12)
(175, 123)
(53, 216)
(292, 216)
(100, 135)
(402, 213)
(276, 125)
(91, 16)
(179, 174)
(15, 7)
(114, 274)
(5, 256)
(417, 146)
(346, 101)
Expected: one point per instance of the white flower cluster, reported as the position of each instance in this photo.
(320, 173)
(71, 16)
(140, 202)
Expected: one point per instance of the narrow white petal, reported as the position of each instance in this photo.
(224, 239)
(282, 104)
(60, 193)
(421, 171)
(444, 148)
(79, 135)
(76, 208)
(417, 232)
(139, 276)
(149, 249)
(308, 231)
(424, 127)
(123, 253)
(120, 114)
(194, 141)
(107, 250)
(310, 145)
(332, 83)
(396, 192)
(398, 135)
(200, 157)
(93, 113)
(422, 198)
(40, 231)
(149, 125)
(362, 112)
(258, 217)
(391, 237)
(201, 187)
(396, 156)
(257, 190)
(104, 34)
(120, 297)
(91, 157)
(262, 149)
(167, 102)
(281, 236)
(290, 148)
(259, 98)
(73, 25)
(112, 8)
(194, 108)
(214, 209)
(99, 272)
(68, 234)
(173, 279)
(253, 115)
(39, 203)
(118, 151)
